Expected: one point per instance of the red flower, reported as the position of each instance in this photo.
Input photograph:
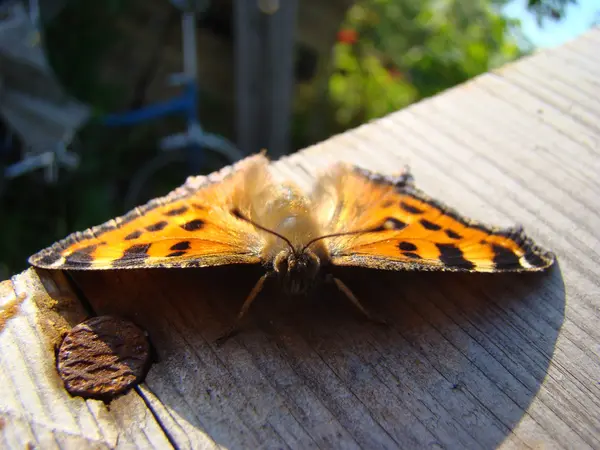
(347, 36)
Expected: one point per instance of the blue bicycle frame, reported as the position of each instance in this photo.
(194, 139)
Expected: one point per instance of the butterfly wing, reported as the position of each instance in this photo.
(193, 226)
(413, 231)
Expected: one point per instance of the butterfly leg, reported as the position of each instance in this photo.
(233, 329)
(350, 295)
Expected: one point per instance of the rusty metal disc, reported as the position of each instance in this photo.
(103, 357)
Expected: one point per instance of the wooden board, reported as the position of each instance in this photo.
(35, 410)
(469, 361)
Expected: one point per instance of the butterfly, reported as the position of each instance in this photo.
(352, 217)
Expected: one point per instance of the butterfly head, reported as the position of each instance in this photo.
(297, 267)
(296, 270)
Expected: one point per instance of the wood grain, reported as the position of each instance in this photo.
(35, 410)
(469, 361)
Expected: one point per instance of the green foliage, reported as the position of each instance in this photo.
(363, 87)
(405, 51)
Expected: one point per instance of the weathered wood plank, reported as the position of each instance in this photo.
(469, 361)
(35, 410)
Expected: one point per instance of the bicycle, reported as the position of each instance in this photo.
(188, 147)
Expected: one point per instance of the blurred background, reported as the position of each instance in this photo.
(105, 105)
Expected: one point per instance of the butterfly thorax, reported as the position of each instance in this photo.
(297, 270)
(288, 212)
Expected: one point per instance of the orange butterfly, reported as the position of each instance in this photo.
(242, 216)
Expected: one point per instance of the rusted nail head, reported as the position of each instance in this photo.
(103, 357)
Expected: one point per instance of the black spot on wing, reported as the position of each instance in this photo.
(452, 234)
(411, 255)
(133, 235)
(48, 259)
(410, 208)
(173, 254)
(536, 260)
(82, 257)
(183, 245)
(430, 225)
(452, 256)
(407, 246)
(157, 226)
(536, 257)
(504, 258)
(193, 225)
(134, 254)
(176, 211)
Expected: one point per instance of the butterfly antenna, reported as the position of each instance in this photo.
(239, 215)
(345, 233)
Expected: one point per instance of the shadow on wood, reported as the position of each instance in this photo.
(461, 361)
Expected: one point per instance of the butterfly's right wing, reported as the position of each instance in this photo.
(410, 231)
(193, 226)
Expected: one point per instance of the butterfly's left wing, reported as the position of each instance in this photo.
(194, 226)
(412, 231)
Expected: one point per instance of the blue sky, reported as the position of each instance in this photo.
(578, 19)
